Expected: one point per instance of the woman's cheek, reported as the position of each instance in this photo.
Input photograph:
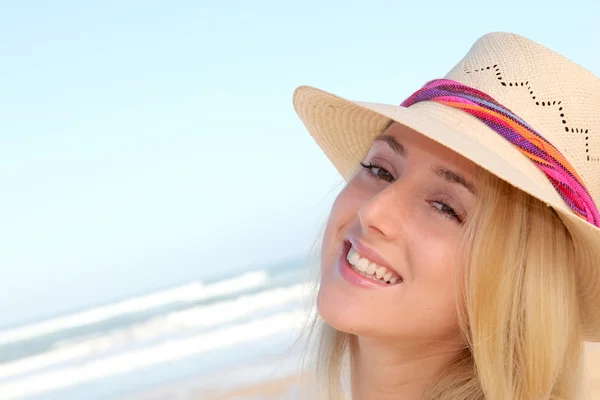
(340, 218)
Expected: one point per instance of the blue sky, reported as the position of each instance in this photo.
(148, 143)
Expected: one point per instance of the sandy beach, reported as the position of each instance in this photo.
(288, 387)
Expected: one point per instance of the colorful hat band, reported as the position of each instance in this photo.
(558, 170)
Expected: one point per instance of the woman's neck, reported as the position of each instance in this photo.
(381, 370)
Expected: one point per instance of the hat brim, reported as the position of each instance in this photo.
(345, 130)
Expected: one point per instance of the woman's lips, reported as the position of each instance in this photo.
(369, 253)
(348, 272)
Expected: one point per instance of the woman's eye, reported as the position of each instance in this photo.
(446, 210)
(378, 172)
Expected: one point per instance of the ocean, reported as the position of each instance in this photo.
(219, 333)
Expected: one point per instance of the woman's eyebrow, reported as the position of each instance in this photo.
(393, 143)
(453, 177)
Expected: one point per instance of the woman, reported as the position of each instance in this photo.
(461, 260)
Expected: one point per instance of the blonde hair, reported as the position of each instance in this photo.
(518, 308)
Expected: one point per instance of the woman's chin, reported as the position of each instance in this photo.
(348, 312)
(326, 306)
(344, 314)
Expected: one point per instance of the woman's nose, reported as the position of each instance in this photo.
(382, 214)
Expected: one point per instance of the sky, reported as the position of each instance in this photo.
(145, 144)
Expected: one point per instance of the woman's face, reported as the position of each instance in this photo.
(389, 260)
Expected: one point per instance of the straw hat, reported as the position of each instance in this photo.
(519, 110)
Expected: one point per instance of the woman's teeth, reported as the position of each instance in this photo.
(371, 270)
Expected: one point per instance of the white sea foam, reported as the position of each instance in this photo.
(166, 352)
(201, 316)
(187, 293)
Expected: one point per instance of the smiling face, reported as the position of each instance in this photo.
(399, 222)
